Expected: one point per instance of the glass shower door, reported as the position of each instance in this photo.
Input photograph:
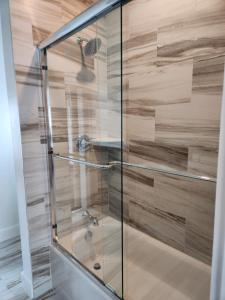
(84, 94)
(173, 72)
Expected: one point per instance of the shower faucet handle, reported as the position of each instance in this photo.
(83, 143)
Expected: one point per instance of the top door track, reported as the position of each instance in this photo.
(89, 16)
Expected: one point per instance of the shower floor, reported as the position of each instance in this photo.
(152, 270)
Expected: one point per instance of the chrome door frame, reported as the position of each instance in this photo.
(87, 17)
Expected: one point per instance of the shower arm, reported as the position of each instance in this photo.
(82, 55)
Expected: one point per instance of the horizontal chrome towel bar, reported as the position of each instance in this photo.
(82, 162)
(138, 166)
(165, 171)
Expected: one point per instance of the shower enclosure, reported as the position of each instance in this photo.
(132, 121)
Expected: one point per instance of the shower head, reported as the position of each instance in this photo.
(84, 75)
(92, 47)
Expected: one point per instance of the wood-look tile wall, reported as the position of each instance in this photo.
(32, 21)
(173, 78)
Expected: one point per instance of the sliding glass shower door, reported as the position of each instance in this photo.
(84, 104)
(165, 195)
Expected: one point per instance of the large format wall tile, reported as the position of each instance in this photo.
(162, 85)
(173, 200)
(166, 227)
(32, 21)
(208, 76)
(169, 155)
(173, 80)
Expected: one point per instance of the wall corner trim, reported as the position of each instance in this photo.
(8, 67)
(217, 291)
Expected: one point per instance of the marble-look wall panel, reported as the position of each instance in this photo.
(113, 76)
(208, 78)
(169, 155)
(202, 161)
(70, 9)
(63, 196)
(167, 228)
(173, 78)
(35, 174)
(32, 21)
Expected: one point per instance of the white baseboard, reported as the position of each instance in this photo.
(9, 233)
(27, 285)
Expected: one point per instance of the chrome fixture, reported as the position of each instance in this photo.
(85, 74)
(150, 167)
(93, 220)
(82, 162)
(83, 143)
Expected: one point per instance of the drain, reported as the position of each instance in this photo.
(97, 266)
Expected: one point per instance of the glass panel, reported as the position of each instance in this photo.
(171, 122)
(167, 236)
(84, 78)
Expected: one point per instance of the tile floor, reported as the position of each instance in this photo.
(10, 268)
(155, 271)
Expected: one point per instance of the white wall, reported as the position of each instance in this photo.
(218, 262)
(8, 198)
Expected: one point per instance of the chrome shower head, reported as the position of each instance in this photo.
(84, 75)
